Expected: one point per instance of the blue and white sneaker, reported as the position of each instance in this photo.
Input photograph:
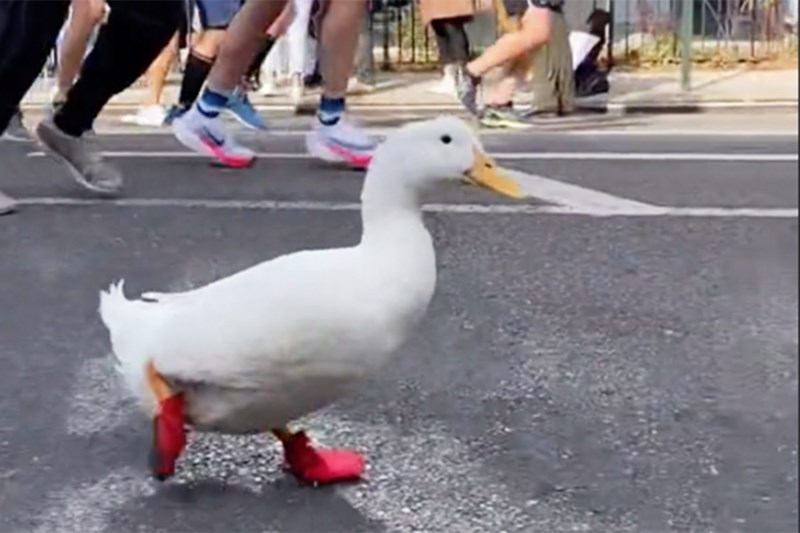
(242, 110)
(341, 143)
(174, 112)
(208, 136)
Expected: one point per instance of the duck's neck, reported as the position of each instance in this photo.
(389, 202)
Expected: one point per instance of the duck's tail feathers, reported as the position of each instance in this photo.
(129, 324)
(158, 297)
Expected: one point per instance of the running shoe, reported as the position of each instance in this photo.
(209, 137)
(503, 117)
(82, 157)
(467, 90)
(242, 110)
(151, 115)
(174, 112)
(341, 143)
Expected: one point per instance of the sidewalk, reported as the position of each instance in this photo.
(640, 92)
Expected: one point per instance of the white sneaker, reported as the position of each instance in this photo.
(269, 88)
(341, 143)
(209, 137)
(447, 85)
(152, 115)
(296, 90)
(356, 86)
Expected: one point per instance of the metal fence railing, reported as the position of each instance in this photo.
(642, 30)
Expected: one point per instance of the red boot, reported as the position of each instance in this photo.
(321, 467)
(169, 437)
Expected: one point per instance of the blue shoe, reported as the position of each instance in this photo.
(241, 108)
(173, 113)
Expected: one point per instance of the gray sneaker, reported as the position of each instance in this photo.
(82, 157)
(7, 204)
(16, 130)
(467, 90)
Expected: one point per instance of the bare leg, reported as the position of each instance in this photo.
(209, 43)
(339, 40)
(157, 75)
(317, 466)
(536, 26)
(86, 14)
(503, 92)
(281, 24)
(241, 43)
(169, 434)
(535, 32)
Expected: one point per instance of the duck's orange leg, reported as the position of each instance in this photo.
(316, 466)
(169, 432)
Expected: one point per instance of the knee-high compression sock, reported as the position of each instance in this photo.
(195, 75)
(255, 67)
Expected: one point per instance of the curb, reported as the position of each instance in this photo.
(687, 107)
(611, 108)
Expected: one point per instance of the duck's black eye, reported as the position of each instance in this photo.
(446, 139)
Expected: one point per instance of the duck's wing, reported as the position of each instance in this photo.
(260, 320)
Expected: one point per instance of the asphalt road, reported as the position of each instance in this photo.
(634, 372)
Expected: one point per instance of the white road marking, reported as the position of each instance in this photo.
(647, 156)
(572, 196)
(509, 209)
(511, 156)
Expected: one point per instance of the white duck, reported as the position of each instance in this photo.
(252, 352)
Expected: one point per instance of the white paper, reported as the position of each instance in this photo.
(581, 43)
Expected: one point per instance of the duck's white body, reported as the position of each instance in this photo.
(291, 335)
(270, 344)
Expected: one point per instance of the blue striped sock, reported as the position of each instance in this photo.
(330, 110)
(211, 102)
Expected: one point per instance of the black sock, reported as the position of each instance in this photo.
(255, 67)
(197, 69)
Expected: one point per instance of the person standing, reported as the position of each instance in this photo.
(297, 35)
(448, 20)
(533, 23)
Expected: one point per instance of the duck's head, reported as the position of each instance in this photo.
(440, 151)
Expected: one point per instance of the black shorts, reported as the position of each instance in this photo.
(517, 8)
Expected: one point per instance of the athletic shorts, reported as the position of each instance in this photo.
(217, 14)
(517, 8)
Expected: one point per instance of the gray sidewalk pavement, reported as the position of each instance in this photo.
(657, 91)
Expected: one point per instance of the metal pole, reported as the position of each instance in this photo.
(687, 27)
